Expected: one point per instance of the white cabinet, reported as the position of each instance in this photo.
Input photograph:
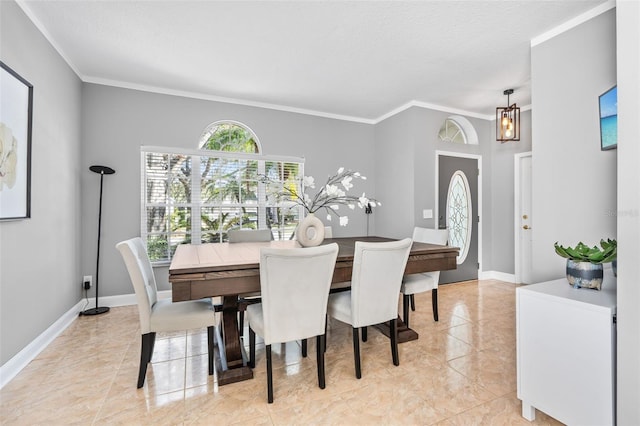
(566, 341)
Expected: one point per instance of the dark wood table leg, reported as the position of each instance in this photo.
(405, 334)
(231, 365)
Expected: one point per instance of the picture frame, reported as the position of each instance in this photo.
(16, 119)
(608, 118)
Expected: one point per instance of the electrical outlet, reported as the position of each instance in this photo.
(87, 282)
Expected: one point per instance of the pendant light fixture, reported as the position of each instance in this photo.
(508, 121)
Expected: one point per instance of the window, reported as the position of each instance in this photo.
(459, 214)
(457, 129)
(181, 206)
(452, 132)
(229, 136)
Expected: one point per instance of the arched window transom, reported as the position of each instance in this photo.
(229, 136)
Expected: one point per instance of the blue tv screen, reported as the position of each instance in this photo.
(609, 119)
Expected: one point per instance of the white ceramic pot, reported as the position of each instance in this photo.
(310, 232)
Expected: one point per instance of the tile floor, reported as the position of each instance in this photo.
(461, 371)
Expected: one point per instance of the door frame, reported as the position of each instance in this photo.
(478, 158)
(517, 158)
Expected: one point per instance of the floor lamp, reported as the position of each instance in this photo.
(103, 170)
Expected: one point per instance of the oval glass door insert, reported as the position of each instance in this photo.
(459, 214)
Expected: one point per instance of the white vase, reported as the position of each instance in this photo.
(310, 232)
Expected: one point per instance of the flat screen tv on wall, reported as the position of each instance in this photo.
(608, 102)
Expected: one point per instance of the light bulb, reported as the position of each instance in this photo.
(507, 133)
(510, 125)
(505, 120)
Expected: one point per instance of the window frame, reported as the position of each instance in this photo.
(196, 204)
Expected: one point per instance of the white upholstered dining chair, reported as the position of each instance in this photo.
(248, 236)
(158, 315)
(295, 287)
(375, 287)
(425, 281)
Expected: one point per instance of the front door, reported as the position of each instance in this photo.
(458, 212)
(523, 220)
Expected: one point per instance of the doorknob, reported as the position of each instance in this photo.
(526, 227)
(524, 216)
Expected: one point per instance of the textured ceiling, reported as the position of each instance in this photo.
(360, 59)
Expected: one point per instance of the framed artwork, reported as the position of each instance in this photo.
(608, 103)
(16, 113)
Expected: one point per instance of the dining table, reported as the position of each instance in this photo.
(230, 270)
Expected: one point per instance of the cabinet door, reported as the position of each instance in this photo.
(565, 358)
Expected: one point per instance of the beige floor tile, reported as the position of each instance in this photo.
(461, 370)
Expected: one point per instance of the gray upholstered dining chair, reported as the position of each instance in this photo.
(295, 288)
(248, 236)
(375, 287)
(158, 315)
(418, 283)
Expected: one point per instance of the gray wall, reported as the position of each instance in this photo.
(40, 257)
(574, 182)
(502, 239)
(394, 176)
(406, 146)
(628, 57)
(117, 122)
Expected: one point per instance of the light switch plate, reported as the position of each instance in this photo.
(427, 214)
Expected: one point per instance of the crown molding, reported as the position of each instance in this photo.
(572, 23)
(47, 35)
(194, 95)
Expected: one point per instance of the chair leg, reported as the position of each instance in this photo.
(304, 348)
(241, 323)
(153, 345)
(364, 334)
(145, 356)
(269, 376)
(320, 360)
(393, 328)
(406, 298)
(324, 341)
(413, 303)
(356, 352)
(210, 331)
(252, 348)
(434, 303)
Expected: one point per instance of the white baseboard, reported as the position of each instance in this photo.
(11, 368)
(497, 275)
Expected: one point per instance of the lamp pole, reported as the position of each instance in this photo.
(102, 170)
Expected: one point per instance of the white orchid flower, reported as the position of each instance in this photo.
(363, 201)
(363, 177)
(334, 206)
(329, 217)
(309, 181)
(333, 191)
(346, 182)
(352, 206)
(344, 220)
(340, 170)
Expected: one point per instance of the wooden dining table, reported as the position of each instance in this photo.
(230, 270)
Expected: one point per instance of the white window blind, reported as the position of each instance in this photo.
(180, 205)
